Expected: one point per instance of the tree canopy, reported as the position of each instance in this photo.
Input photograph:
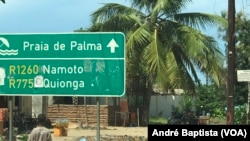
(163, 43)
(242, 54)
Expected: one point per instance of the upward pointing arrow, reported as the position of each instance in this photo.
(112, 45)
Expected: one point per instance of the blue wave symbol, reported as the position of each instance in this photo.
(8, 52)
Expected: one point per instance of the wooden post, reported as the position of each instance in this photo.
(231, 62)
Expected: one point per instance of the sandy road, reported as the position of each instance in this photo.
(73, 133)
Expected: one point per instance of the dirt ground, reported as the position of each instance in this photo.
(106, 134)
(109, 133)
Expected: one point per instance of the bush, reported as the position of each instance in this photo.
(158, 119)
(219, 113)
(240, 115)
(23, 137)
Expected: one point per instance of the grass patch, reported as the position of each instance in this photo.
(157, 120)
(217, 121)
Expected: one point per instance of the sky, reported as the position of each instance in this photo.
(53, 16)
(69, 15)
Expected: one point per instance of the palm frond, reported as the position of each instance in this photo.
(202, 51)
(141, 37)
(177, 74)
(196, 43)
(167, 43)
(158, 6)
(199, 20)
(122, 23)
(112, 9)
(185, 65)
(154, 55)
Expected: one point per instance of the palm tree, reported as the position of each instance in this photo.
(164, 44)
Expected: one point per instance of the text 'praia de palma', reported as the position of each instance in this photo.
(57, 46)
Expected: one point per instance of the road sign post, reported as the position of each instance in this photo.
(244, 76)
(65, 64)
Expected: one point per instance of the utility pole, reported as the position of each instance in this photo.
(231, 62)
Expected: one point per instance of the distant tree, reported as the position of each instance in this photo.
(3, 1)
(242, 60)
(80, 30)
(209, 98)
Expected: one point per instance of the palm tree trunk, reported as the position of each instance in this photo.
(147, 99)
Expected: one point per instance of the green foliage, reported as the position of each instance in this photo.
(1, 138)
(219, 113)
(242, 25)
(210, 98)
(80, 30)
(164, 43)
(240, 115)
(23, 137)
(242, 60)
(186, 104)
(159, 119)
(3, 1)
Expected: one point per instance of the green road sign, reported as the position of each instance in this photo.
(65, 64)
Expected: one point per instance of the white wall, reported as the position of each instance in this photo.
(37, 105)
(26, 104)
(163, 103)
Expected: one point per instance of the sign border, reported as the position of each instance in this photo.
(70, 58)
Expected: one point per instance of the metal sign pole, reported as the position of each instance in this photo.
(10, 117)
(97, 119)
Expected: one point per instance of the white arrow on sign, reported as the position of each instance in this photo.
(112, 44)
